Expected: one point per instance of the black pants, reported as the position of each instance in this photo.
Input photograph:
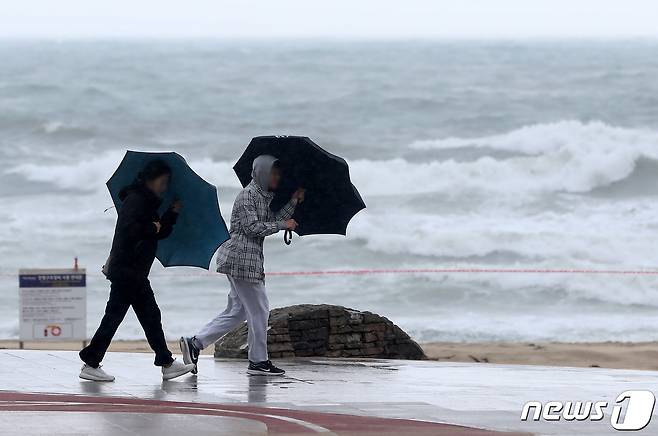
(124, 294)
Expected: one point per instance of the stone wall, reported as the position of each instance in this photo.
(325, 330)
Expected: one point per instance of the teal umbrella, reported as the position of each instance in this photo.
(200, 228)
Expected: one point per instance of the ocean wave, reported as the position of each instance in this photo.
(586, 236)
(480, 210)
(91, 174)
(564, 157)
(83, 174)
(567, 326)
(65, 132)
(568, 156)
(52, 126)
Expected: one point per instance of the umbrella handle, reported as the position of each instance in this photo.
(287, 237)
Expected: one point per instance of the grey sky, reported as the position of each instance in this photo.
(332, 18)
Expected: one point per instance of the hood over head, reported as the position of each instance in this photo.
(261, 170)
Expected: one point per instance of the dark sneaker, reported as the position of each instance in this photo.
(190, 352)
(264, 368)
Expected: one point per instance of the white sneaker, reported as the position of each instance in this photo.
(176, 369)
(95, 374)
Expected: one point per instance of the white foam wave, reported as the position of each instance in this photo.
(587, 236)
(91, 174)
(564, 156)
(568, 156)
(52, 126)
(82, 174)
(499, 206)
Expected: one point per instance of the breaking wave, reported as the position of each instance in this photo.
(471, 207)
(567, 156)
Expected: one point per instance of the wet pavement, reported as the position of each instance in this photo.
(40, 393)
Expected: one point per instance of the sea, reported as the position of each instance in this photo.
(489, 162)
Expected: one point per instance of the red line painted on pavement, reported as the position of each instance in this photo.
(278, 420)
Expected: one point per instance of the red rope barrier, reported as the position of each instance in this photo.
(627, 272)
(462, 271)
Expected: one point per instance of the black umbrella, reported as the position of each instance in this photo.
(331, 199)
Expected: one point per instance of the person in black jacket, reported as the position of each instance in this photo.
(138, 229)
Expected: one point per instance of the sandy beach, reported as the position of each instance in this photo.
(623, 355)
(643, 355)
(119, 345)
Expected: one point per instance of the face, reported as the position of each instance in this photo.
(159, 185)
(275, 178)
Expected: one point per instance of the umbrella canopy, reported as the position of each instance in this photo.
(199, 230)
(331, 198)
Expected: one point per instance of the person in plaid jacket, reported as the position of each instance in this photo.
(241, 259)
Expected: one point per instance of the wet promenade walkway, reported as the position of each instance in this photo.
(40, 393)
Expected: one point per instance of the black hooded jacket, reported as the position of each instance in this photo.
(135, 236)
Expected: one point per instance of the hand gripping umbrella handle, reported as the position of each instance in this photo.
(287, 237)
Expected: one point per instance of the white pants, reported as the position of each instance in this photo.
(248, 301)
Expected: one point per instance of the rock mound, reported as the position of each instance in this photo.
(325, 330)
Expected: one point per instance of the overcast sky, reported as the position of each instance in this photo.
(328, 18)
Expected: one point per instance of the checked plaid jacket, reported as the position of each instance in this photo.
(241, 257)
